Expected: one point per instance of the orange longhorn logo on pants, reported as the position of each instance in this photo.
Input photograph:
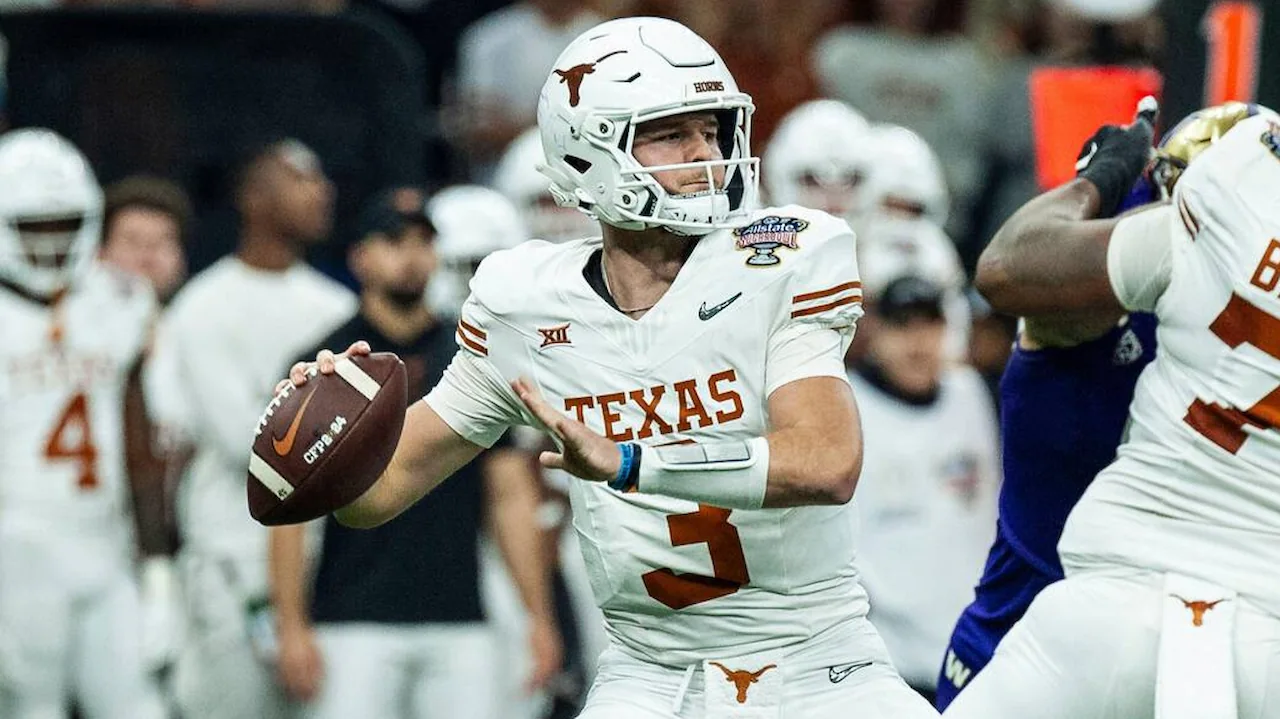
(742, 679)
(1198, 608)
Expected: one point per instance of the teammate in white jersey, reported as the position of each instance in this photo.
(688, 363)
(234, 327)
(1170, 607)
(73, 446)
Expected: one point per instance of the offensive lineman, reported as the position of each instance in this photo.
(73, 442)
(1169, 608)
(724, 567)
(1065, 396)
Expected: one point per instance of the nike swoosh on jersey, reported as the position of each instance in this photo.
(838, 673)
(282, 445)
(705, 313)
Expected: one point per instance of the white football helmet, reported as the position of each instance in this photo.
(817, 158)
(626, 72)
(518, 178)
(50, 211)
(905, 178)
(471, 222)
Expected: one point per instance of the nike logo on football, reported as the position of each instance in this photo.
(282, 445)
(705, 313)
(838, 673)
(1083, 162)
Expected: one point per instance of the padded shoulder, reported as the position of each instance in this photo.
(525, 276)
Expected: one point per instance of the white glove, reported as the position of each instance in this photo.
(162, 613)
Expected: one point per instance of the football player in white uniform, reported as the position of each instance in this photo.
(73, 439)
(689, 365)
(818, 158)
(906, 178)
(1170, 607)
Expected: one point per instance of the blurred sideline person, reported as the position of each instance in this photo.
(1066, 393)
(728, 586)
(891, 247)
(235, 325)
(930, 475)
(74, 442)
(144, 232)
(502, 58)
(518, 178)
(387, 628)
(1169, 607)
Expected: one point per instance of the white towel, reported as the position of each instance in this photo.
(1195, 677)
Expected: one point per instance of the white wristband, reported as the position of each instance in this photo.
(732, 475)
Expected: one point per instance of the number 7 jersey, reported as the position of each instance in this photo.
(751, 310)
(1195, 488)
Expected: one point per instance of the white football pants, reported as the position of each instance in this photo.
(845, 674)
(70, 627)
(1088, 647)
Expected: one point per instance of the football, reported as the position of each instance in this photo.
(318, 447)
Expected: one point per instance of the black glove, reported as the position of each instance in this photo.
(1115, 157)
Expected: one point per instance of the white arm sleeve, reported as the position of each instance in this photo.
(1139, 257)
(475, 400)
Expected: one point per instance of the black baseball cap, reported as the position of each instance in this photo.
(392, 211)
(909, 297)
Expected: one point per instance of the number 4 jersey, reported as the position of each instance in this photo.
(62, 466)
(751, 310)
(1195, 488)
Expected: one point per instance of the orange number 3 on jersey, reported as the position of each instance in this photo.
(72, 439)
(709, 525)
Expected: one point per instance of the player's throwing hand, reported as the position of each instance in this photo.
(585, 454)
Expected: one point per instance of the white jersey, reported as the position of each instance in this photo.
(679, 582)
(63, 371)
(1196, 485)
(926, 501)
(236, 330)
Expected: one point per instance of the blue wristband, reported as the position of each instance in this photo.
(629, 469)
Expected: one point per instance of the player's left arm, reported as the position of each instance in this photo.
(1049, 261)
